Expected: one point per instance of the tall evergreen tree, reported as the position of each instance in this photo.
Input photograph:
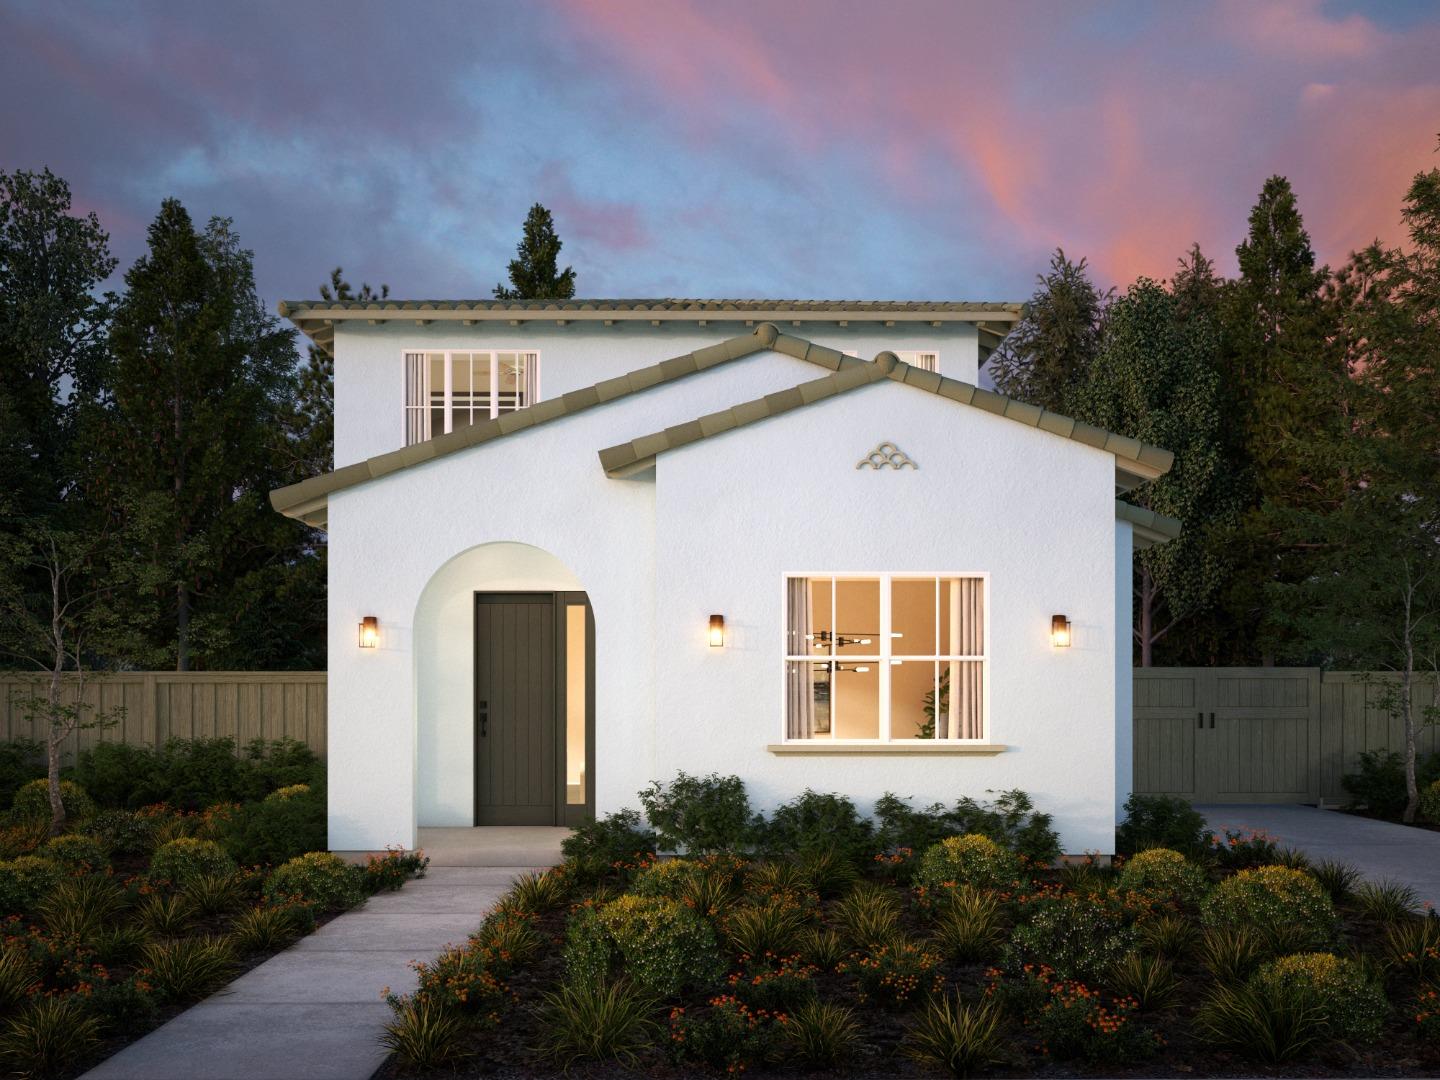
(1048, 355)
(535, 272)
(52, 337)
(1154, 379)
(201, 378)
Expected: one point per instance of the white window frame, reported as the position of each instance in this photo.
(913, 357)
(424, 410)
(885, 655)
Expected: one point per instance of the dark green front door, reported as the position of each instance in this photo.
(534, 716)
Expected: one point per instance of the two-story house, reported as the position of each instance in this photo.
(575, 546)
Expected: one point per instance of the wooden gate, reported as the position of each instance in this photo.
(1228, 735)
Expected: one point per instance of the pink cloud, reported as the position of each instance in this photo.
(1299, 29)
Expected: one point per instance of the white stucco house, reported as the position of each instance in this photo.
(575, 546)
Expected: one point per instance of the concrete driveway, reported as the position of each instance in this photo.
(1378, 849)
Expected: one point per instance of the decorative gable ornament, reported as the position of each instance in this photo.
(886, 456)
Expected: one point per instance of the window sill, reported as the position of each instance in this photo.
(819, 747)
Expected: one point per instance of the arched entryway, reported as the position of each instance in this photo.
(505, 692)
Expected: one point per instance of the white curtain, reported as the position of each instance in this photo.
(799, 690)
(417, 401)
(531, 383)
(964, 717)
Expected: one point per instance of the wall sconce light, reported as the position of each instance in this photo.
(369, 632)
(717, 631)
(1060, 631)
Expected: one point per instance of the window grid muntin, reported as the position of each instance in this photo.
(421, 401)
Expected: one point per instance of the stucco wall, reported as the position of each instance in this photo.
(542, 488)
(369, 364)
(735, 513)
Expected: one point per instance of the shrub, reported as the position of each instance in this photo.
(23, 837)
(1271, 1021)
(665, 877)
(1149, 981)
(506, 939)
(1336, 878)
(25, 881)
(1160, 821)
(122, 832)
(82, 907)
(18, 975)
(1352, 1007)
(1080, 937)
(823, 948)
(424, 1034)
(1163, 874)
(21, 760)
(264, 929)
(32, 800)
(1386, 901)
(812, 822)
(822, 1035)
(700, 813)
(181, 860)
(1245, 849)
(764, 928)
(386, 873)
(663, 946)
(729, 1035)
(126, 1005)
(49, 1036)
(213, 894)
(1271, 899)
(291, 791)
(595, 1023)
(540, 892)
(187, 967)
(1077, 1022)
(776, 983)
(76, 852)
(276, 830)
(1170, 936)
(120, 943)
(195, 773)
(958, 1038)
(968, 926)
(1413, 945)
(1379, 786)
(896, 973)
(166, 916)
(1430, 802)
(869, 915)
(318, 878)
(1011, 821)
(967, 860)
(459, 979)
(828, 870)
(618, 841)
(1427, 1015)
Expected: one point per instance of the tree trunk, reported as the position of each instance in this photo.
(54, 735)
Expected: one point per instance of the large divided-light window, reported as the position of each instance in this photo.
(886, 657)
(448, 390)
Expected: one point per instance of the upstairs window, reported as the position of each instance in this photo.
(886, 657)
(445, 391)
(925, 361)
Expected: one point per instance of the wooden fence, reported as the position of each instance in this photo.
(1237, 735)
(161, 705)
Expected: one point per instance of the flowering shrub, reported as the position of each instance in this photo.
(459, 978)
(290, 792)
(730, 1035)
(1075, 1021)
(896, 973)
(76, 852)
(1427, 1014)
(967, 860)
(1163, 874)
(667, 877)
(122, 832)
(386, 873)
(1272, 898)
(317, 878)
(186, 858)
(32, 800)
(1078, 935)
(25, 881)
(663, 945)
(1353, 1006)
(774, 983)
(1242, 849)
(1430, 802)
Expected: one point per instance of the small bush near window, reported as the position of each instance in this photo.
(1379, 786)
(32, 800)
(25, 881)
(1353, 1006)
(1161, 821)
(966, 860)
(1163, 874)
(123, 832)
(76, 852)
(181, 860)
(618, 841)
(276, 830)
(700, 813)
(729, 1035)
(320, 879)
(1011, 821)
(663, 946)
(895, 974)
(1270, 899)
(1079, 937)
(812, 822)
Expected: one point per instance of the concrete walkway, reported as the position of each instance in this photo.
(1378, 849)
(315, 1011)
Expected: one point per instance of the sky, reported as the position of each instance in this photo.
(894, 149)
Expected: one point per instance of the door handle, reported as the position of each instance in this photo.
(1200, 720)
(1212, 721)
(484, 719)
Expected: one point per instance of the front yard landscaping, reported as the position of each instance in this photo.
(178, 870)
(934, 941)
